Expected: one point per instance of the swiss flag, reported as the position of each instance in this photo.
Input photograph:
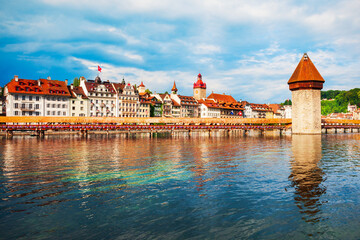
(240, 113)
(99, 68)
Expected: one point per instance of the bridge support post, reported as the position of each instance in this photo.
(9, 133)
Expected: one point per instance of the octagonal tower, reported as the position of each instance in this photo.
(305, 85)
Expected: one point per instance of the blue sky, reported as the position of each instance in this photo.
(248, 49)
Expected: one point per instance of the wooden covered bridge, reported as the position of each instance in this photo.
(85, 125)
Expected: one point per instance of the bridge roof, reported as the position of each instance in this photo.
(305, 71)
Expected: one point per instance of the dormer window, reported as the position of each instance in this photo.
(27, 89)
(17, 89)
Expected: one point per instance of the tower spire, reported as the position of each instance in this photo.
(174, 89)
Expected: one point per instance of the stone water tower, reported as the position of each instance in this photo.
(305, 85)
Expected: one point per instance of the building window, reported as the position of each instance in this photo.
(48, 112)
(37, 106)
(59, 113)
(81, 102)
(23, 113)
(16, 105)
(23, 97)
(73, 102)
(64, 106)
(30, 98)
(64, 113)
(37, 113)
(54, 106)
(16, 113)
(37, 98)
(30, 113)
(53, 113)
(16, 97)
(82, 108)
(30, 106)
(73, 108)
(23, 105)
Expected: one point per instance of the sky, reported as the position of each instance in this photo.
(248, 49)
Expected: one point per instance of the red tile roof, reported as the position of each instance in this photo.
(46, 87)
(210, 103)
(174, 103)
(78, 91)
(305, 71)
(91, 85)
(222, 98)
(275, 107)
(188, 100)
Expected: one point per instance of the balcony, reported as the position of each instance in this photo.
(27, 109)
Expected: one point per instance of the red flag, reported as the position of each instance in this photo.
(99, 68)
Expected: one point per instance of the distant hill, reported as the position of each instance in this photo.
(336, 101)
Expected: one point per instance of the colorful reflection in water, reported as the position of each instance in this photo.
(108, 187)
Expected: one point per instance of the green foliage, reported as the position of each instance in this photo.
(328, 107)
(342, 99)
(76, 82)
(148, 91)
(331, 94)
(287, 102)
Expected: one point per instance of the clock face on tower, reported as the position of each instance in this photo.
(196, 91)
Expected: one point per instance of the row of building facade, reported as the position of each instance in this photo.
(97, 98)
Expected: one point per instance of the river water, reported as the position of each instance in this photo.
(110, 187)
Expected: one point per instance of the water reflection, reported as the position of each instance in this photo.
(306, 175)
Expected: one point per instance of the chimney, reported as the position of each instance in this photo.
(66, 82)
(48, 78)
(71, 86)
(16, 78)
(39, 82)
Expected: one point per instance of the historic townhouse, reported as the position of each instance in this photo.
(229, 107)
(128, 102)
(155, 107)
(145, 102)
(43, 97)
(253, 110)
(209, 108)
(166, 103)
(188, 105)
(278, 109)
(79, 102)
(102, 97)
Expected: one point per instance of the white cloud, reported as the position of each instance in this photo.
(205, 49)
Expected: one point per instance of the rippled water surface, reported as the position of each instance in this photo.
(109, 187)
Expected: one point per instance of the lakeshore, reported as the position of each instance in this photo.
(199, 187)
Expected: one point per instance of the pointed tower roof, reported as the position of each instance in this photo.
(142, 84)
(305, 71)
(174, 89)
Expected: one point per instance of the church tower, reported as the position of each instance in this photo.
(174, 89)
(199, 88)
(305, 85)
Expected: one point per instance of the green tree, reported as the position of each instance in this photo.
(76, 82)
(148, 91)
(287, 102)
